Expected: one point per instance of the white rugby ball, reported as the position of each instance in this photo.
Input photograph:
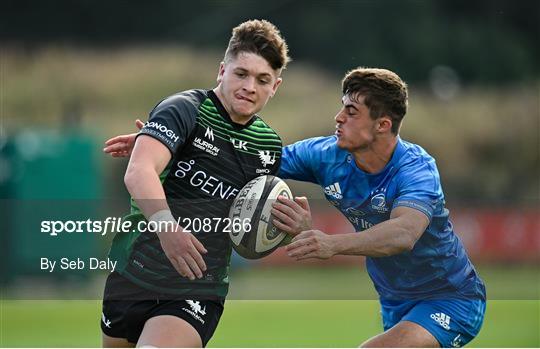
(252, 232)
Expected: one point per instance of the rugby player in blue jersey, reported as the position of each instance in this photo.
(390, 190)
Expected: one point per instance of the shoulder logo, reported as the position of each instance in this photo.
(334, 190)
(209, 133)
(442, 319)
(265, 157)
(164, 132)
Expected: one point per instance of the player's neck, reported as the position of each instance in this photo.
(375, 157)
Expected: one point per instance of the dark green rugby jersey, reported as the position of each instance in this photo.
(212, 159)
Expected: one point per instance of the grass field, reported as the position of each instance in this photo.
(320, 320)
(258, 324)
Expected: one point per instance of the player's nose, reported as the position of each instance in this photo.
(249, 85)
(339, 117)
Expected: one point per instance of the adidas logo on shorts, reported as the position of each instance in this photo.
(442, 319)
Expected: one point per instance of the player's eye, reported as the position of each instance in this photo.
(240, 74)
(263, 81)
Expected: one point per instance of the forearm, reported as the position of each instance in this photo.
(384, 239)
(145, 188)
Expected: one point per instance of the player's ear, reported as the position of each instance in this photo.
(276, 85)
(221, 71)
(385, 124)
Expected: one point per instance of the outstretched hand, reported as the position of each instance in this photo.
(311, 244)
(121, 146)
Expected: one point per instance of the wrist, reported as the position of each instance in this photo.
(162, 220)
(335, 244)
(341, 244)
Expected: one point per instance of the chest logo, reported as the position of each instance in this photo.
(209, 134)
(238, 144)
(205, 146)
(266, 159)
(378, 203)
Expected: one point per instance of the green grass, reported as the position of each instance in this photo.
(259, 324)
(311, 307)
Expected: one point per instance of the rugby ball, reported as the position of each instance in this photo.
(252, 233)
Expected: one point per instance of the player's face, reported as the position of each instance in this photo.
(355, 129)
(245, 84)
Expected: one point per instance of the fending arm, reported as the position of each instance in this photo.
(397, 235)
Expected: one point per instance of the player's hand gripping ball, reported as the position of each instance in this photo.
(252, 232)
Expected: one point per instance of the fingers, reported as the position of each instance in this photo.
(198, 245)
(184, 252)
(117, 139)
(285, 218)
(303, 202)
(196, 254)
(308, 255)
(301, 250)
(139, 124)
(281, 226)
(193, 258)
(190, 265)
(116, 148)
(289, 204)
(305, 238)
(182, 268)
(194, 265)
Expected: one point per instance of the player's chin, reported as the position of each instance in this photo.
(341, 143)
(247, 111)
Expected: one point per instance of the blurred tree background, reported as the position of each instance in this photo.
(473, 68)
(485, 41)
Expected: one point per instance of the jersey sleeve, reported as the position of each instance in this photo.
(171, 122)
(297, 161)
(420, 189)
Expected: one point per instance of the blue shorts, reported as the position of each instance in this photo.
(453, 322)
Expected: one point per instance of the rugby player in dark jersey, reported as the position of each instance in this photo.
(197, 150)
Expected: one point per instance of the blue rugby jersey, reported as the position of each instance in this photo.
(438, 265)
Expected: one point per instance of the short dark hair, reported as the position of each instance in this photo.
(262, 38)
(383, 90)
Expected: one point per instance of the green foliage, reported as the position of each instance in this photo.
(485, 41)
